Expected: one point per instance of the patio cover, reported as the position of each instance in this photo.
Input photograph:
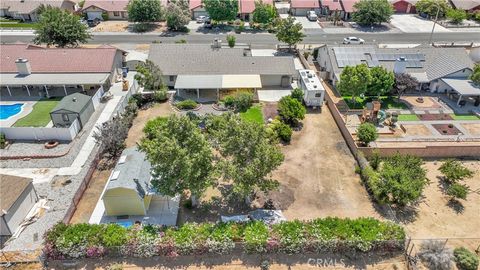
(217, 81)
(463, 87)
(53, 79)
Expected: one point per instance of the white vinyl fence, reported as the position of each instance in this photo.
(42, 133)
(96, 98)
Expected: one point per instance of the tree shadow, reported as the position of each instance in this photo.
(456, 205)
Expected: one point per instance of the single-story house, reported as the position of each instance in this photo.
(197, 9)
(129, 195)
(17, 197)
(30, 70)
(467, 5)
(73, 107)
(330, 6)
(301, 7)
(404, 6)
(428, 65)
(27, 10)
(210, 69)
(246, 8)
(348, 9)
(114, 10)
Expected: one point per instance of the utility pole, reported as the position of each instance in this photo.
(434, 23)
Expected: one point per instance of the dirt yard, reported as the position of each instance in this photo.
(417, 130)
(473, 129)
(317, 177)
(437, 218)
(124, 26)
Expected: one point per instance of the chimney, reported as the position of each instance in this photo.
(74, 99)
(400, 65)
(23, 66)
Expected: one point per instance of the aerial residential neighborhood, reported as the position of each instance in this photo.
(240, 134)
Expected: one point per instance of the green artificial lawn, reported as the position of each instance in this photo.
(387, 102)
(408, 117)
(254, 114)
(464, 117)
(40, 115)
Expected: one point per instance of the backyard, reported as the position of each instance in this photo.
(40, 115)
(388, 102)
(254, 114)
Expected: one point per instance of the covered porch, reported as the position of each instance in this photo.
(208, 88)
(463, 91)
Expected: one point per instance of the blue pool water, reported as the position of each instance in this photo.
(7, 111)
(125, 224)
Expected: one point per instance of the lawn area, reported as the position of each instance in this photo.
(464, 117)
(40, 115)
(408, 117)
(254, 114)
(387, 102)
(7, 23)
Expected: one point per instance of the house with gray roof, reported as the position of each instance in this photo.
(209, 69)
(71, 108)
(428, 65)
(27, 10)
(129, 197)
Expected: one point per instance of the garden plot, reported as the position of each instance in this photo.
(417, 130)
(473, 129)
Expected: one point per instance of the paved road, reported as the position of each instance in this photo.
(263, 39)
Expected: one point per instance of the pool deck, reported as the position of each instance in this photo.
(26, 109)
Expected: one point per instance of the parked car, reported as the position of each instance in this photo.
(353, 40)
(93, 22)
(312, 16)
(202, 19)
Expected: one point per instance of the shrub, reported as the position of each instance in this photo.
(256, 236)
(465, 259)
(297, 94)
(367, 133)
(105, 16)
(160, 96)
(231, 40)
(375, 160)
(152, 125)
(435, 255)
(458, 191)
(453, 171)
(229, 101)
(187, 104)
(282, 131)
(291, 111)
(3, 141)
(291, 236)
(456, 16)
(243, 101)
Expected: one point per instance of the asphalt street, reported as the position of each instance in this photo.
(264, 39)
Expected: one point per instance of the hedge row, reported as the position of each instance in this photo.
(328, 234)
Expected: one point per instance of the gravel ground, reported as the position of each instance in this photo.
(64, 161)
(59, 199)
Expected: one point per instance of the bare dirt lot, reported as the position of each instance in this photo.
(437, 218)
(318, 175)
(124, 26)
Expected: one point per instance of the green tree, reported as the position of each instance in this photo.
(289, 31)
(370, 12)
(404, 82)
(453, 171)
(144, 11)
(456, 16)
(181, 157)
(221, 10)
(231, 40)
(367, 133)
(354, 81)
(177, 14)
(60, 28)
(264, 13)
(247, 155)
(465, 259)
(402, 180)
(291, 110)
(475, 77)
(297, 94)
(150, 77)
(431, 7)
(382, 81)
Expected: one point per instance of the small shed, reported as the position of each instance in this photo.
(70, 108)
(17, 197)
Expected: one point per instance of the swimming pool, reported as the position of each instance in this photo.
(7, 111)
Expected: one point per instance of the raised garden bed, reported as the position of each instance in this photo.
(434, 117)
(447, 129)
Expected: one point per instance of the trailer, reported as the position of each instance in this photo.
(313, 90)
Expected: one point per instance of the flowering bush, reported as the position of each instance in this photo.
(327, 234)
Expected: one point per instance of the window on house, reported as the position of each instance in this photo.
(116, 13)
(65, 117)
(172, 78)
(318, 94)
